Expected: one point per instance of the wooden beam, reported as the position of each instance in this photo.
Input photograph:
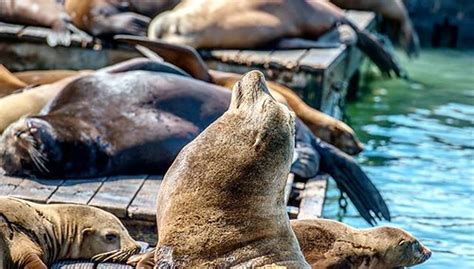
(143, 206)
(76, 191)
(36, 190)
(312, 198)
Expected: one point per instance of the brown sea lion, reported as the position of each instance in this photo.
(221, 203)
(41, 77)
(81, 133)
(106, 17)
(323, 126)
(392, 10)
(47, 13)
(331, 244)
(251, 24)
(5, 256)
(9, 82)
(38, 235)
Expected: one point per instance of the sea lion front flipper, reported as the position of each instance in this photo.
(182, 56)
(144, 260)
(353, 181)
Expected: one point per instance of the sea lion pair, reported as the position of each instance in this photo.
(137, 121)
(252, 24)
(221, 203)
(34, 235)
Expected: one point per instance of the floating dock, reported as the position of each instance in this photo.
(320, 76)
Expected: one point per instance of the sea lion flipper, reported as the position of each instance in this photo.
(353, 181)
(182, 56)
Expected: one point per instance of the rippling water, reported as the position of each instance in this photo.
(419, 140)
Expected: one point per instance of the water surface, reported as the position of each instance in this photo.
(419, 140)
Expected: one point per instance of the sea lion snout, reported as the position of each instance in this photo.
(250, 90)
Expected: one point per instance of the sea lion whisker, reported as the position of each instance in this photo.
(38, 159)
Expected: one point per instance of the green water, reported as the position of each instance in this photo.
(420, 153)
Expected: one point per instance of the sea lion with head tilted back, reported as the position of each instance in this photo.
(250, 24)
(221, 203)
(37, 235)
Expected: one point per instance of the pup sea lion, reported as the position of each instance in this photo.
(323, 126)
(221, 203)
(38, 235)
(392, 10)
(106, 17)
(331, 244)
(251, 24)
(47, 13)
(81, 134)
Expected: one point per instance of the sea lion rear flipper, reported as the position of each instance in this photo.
(353, 181)
(377, 53)
(182, 56)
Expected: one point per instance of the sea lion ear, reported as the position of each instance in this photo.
(87, 231)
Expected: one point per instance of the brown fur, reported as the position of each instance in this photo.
(221, 202)
(331, 244)
(38, 235)
(9, 82)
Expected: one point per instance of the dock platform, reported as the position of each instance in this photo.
(319, 76)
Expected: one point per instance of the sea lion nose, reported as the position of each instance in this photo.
(426, 252)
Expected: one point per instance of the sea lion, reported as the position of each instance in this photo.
(251, 24)
(331, 244)
(9, 82)
(5, 255)
(106, 17)
(81, 133)
(38, 235)
(323, 126)
(393, 10)
(221, 203)
(47, 13)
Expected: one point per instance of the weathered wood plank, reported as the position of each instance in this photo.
(73, 264)
(252, 57)
(224, 55)
(36, 190)
(116, 194)
(362, 19)
(320, 59)
(8, 184)
(313, 196)
(77, 191)
(286, 59)
(143, 206)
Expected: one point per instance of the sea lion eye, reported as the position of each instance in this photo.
(111, 237)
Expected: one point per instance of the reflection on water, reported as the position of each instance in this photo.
(419, 140)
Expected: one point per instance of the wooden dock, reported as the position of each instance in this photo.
(320, 76)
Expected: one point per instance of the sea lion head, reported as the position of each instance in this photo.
(47, 146)
(399, 248)
(103, 237)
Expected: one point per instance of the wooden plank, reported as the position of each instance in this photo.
(73, 264)
(116, 194)
(320, 59)
(143, 206)
(36, 190)
(362, 19)
(224, 55)
(313, 196)
(286, 59)
(77, 191)
(113, 266)
(253, 57)
(8, 184)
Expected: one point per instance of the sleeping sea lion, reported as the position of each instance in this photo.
(106, 17)
(332, 244)
(81, 133)
(9, 82)
(221, 203)
(393, 10)
(252, 24)
(38, 235)
(47, 13)
(323, 126)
